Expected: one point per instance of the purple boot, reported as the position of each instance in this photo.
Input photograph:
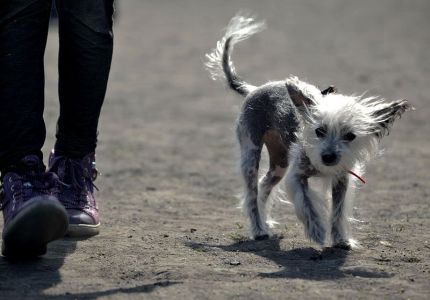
(77, 192)
(32, 214)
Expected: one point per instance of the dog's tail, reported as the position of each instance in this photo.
(219, 63)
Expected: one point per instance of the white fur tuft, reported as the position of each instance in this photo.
(240, 28)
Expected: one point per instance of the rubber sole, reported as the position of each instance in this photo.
(42, 221)
(83, 230)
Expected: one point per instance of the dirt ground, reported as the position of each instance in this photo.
(168, 159)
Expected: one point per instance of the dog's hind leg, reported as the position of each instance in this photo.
(278, 155)
(250, 160)
(340, 227)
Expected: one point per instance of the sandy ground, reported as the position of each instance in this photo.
(168, 158)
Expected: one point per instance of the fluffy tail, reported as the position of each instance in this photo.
(219, 63)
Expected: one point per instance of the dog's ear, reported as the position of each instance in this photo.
(330, 90)
(386, 114)
(299, 98)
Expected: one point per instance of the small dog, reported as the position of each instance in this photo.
(308, 133)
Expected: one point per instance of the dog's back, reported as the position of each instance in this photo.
(269, 107)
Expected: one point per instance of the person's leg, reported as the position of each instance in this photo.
(32, 214)
(86, 43)
(23, 33)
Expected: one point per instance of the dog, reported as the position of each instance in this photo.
(308, 133)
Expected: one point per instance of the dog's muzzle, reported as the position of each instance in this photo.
(330, 159)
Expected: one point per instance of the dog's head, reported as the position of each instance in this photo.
(340, 131)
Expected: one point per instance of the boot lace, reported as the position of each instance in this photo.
(77, 177)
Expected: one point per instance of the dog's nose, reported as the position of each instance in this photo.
(330, 159)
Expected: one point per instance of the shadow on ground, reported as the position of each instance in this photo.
(303, 263)
(31, 277)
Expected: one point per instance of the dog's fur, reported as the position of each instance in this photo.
(307, 133)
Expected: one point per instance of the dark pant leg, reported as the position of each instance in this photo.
(86, 43)
(23, 33)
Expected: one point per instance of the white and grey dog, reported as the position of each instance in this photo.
(307, 132)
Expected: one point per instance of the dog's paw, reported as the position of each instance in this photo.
(262, 237)
(260, 234)
(346, 244)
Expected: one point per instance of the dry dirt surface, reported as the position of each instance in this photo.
(168, 160)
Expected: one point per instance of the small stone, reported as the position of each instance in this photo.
(234, 263)
(385, 243)
(192, 230)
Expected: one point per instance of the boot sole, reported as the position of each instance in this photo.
(41, 222)
(83, 230)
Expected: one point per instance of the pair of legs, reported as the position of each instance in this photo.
(305, 201)
(86, 42)
(311, 212)
(257, 193)
(40, 206)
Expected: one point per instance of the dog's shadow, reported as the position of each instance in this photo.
(303, 263)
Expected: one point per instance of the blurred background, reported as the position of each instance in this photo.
(168, 157)
(160, 100)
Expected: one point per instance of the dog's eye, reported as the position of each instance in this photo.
(320, 132)
(349, 136)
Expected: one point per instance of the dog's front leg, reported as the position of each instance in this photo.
(340, 228)
(308, 206)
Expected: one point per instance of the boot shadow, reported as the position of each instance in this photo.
(34, 275)
(29, 278)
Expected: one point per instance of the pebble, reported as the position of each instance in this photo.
(234, 263)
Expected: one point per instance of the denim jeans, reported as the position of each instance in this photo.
(86, 43)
